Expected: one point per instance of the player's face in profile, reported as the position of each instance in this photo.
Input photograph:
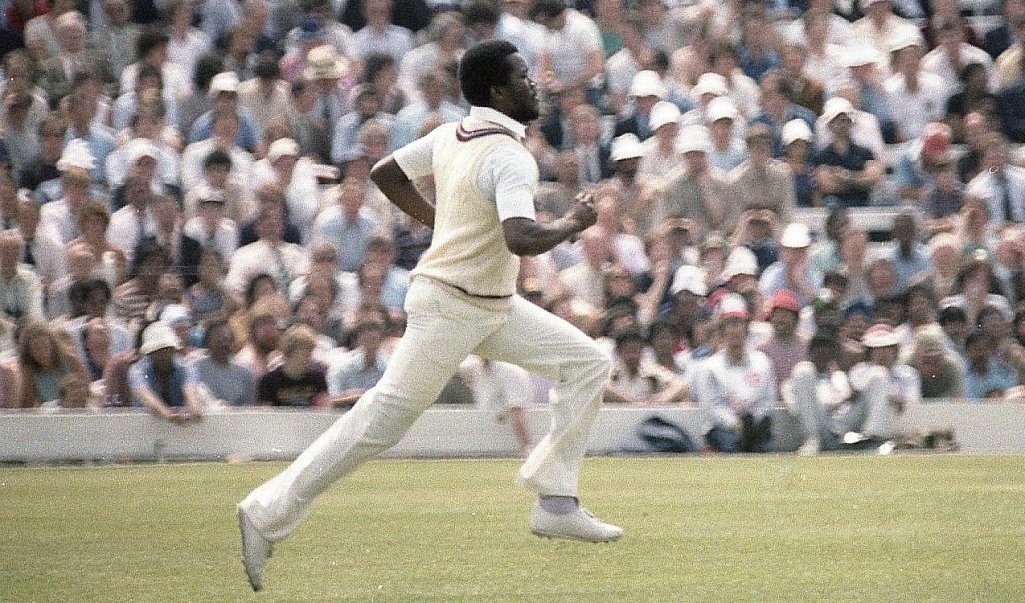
(523, 103)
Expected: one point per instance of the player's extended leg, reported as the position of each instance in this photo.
(546, 344)
(441, 331)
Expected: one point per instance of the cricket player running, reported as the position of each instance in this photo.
(462, 300)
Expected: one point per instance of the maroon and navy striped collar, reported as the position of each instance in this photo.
(464, 135)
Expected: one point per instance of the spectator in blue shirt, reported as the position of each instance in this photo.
(987, 377)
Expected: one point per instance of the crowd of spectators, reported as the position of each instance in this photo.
(187, 220)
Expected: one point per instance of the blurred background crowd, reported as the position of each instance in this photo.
(802, 203)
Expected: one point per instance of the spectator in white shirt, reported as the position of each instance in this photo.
(269, 254)
(917, 97)
(952, 53)
(284, 167)
(380, 34)
(211, 228)
(1001, 184)
(225, 127)
(21, 296)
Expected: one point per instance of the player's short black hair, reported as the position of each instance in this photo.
(483, 66)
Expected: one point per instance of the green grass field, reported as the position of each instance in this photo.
(846, 528)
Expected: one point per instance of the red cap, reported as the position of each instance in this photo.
(936, 139)
(786, 299)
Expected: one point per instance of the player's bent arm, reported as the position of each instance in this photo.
(399, 189)
(524, 236)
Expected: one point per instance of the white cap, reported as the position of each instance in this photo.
(281, 147)
(835, 107)
(323, 62)
(626, 146)
(796, 129)
(224, 82)
(721, 107)
(173, 314)
(710, 83)
(76, 155)
(158, 336)
(732, 305)
(880, 336)
(647, 83)
(689, 278)
(861, 54)
(694, 138)
(796, 236)
(905, 37)
(139, 148)
(740, 261)
(664, 112)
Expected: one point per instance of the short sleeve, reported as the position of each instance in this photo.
(416, 158)
(509, 176)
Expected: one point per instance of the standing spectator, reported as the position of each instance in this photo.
(20, 292)
(736, 386)
(909, 256)
(572, 55)
(846, 172)
(299, 381)
(227, 382)
(160, 381)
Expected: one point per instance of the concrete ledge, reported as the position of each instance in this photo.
(440, 432)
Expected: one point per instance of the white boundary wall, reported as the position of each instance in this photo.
(440, 432)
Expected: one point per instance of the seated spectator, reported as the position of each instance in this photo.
(727, 150)
(785, 349)
(45, 361)
(637, 380)
(211, 227)
(978, 286)
(825, 253)
(996, 325)
(160, 381)
(60, 218)
(21, 296)
(133, 298)
(987, 376)
(361, 368)
(261, 350)
(972, 96)
(92, 299)
(664, 339)
(1001, 185)
(96, 342)
(917, 164)
(219, 182)
(226, 382)
(294, 175)
(83, 265)
(846, 172)
(736, 386)
(941, 369)
(909, 256)
(943, 199)
(10, 385)
(793, 270)
(778, 110)
(269, 254)
(900, 382)
(916, 96)
(299, 381)
(797, 138)
(826, 405)
(224, 129)
(411, 118)
(348, 225)
(762, 182)
(661, 156)
(503, 390)
(699, 190)
(224, 99)
(208, 300)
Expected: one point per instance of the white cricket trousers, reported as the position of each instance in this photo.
(443, 327)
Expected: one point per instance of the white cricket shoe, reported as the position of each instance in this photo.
(255, 550)
(578, 525)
